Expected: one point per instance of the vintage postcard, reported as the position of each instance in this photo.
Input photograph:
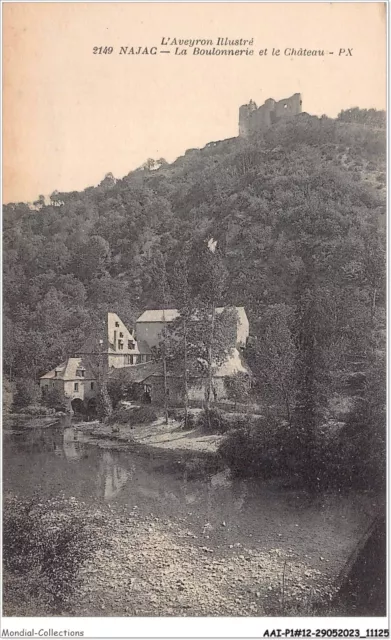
(194, 319)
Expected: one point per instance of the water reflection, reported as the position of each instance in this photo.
(111, 476)
(71, 447)
(58, 459)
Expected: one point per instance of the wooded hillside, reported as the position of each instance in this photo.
(310, 191)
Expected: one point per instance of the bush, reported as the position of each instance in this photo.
(179, 416)
(133, 417)
(37, 410)
(27, 393)
(54, 399)
(353, 456)
(216, 423)
(120, 388)
(45, 544)
(256, 450)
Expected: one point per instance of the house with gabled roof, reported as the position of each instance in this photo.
(117, 344)
(75, 379)
(150, 325)
(120, 350)
(149, 328)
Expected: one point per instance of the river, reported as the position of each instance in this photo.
(53, 460)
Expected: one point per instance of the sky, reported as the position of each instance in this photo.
(70, 116)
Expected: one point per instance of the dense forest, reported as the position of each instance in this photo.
(307, 194)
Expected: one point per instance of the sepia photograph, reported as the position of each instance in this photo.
(194, 333)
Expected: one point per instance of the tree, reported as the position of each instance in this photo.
(104, 407)
(309, 371)
(208, 280)
(178, 333)
(160, 275)
(119, 387)
(27, 392)
(54, 399)
(272, 359)
(238, 387)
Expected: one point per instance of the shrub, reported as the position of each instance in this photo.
(37, 410)
(47, 544)
(120, 388)
(256, 450)
(133, 417)
(215, 424)
(27, 393)
(54, 399)
(143, 415)
(179, 416)
(191, 421)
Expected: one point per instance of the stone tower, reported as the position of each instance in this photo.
(253, 118)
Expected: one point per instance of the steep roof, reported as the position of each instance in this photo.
(67, 370)
(158, 315)
(136, 373)
(143, 347)
(168, 315)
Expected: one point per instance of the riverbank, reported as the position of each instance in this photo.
(156, 437)
(151, 566)
(172, 543)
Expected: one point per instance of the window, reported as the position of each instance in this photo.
(130, 344)
(117, 324)
(121, 335)
(80, 373)
(120, 345)
(53, 384)
(92, 386)
(55, 374)
(76, 386)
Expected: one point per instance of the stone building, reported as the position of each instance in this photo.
(124, 354)
(150, 324)
(253, 118)
(117, 343)
(76, 381)
(149, 377)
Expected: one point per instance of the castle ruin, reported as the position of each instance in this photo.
(253, 118)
